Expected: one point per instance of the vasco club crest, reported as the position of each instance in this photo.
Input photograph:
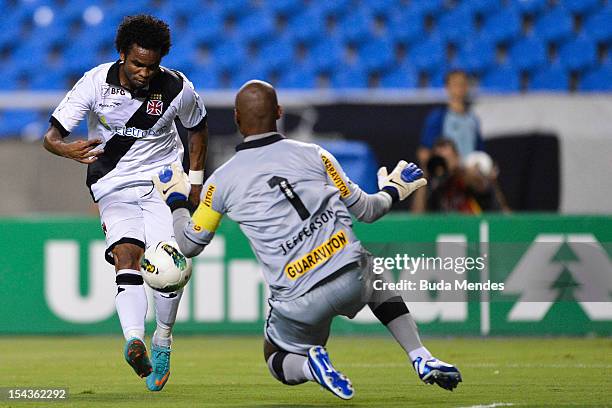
(155, 107)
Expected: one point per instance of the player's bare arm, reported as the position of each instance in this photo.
(198, 143)
(79, 150)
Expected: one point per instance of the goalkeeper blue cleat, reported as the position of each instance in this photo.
(161, 367)
(326, 375)
(135, 353)
(434, 371)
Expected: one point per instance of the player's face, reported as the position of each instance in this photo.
(457, 86)
(139, 66)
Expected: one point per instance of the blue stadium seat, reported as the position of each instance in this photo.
(325, 56)
(402, 77)
(597, 80)
(254, 70)
(256, 27)
(349, 77)
(235, 8)
(336, 8)
(229, 56)
(406, 27)
(550, 78)
(503, 26)
(501, 79)
(278, 53)
(382, 7)
(205, 77)
(457, 25)
(599, 26)
(555, 26)
(298, 77)
(429, 54)
(206, 27)
(284, 7)
(581, 7)
(377, 55)
(308, 27)
(431, 7)
(476, 55)
(578, 54)
(15, 120)
(528, 54)
(355, 28)
(531, 7)
(49, 80)
(483, 7)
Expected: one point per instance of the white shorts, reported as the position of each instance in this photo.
(135, 215)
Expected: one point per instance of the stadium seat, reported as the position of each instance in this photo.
(278, 53)
(581, 7)
(235, 8)
(503, 26)
(430, 7)
(597, 80)
(531, 7)
(308, 27)
(483, 7)
(229, 56)
(402, 77)
(15, 120)
(599, 26)
(578, 54)
(284, 7)
(349, 77)
(254, 70)
(256, 27)
(299, 77)
(381, 7)
(406, 27)
(205, 77)
(377, 55)
(550, 78)
(555, 26)
(457, 25)
(355, 28)
(528, 54)
(206, 27)
(476, 55)
(501, 79)
(429, 54)
(325, 56)
(336, 8)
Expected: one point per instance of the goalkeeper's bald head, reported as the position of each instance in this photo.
(256, 108)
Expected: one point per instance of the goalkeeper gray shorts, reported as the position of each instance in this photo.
(135, 215)
(298, 324)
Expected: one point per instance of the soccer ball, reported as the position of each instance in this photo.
(165, 268)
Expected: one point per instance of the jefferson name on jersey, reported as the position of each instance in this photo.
(137, 129)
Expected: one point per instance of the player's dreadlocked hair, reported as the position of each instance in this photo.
(147, 31)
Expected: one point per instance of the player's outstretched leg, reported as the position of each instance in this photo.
(326, 375)
(434, 371)
(394, 314)
(166, 307)
(161, 367)
(135, 353)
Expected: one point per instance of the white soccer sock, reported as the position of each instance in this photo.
(420, 352)
(131, 303)
(166, 306)
(294, 367)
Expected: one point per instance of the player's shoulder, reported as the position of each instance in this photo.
(99, 72)
(302, 146)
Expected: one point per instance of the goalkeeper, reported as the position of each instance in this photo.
(294, 203)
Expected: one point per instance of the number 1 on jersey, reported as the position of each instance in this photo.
(294, 199)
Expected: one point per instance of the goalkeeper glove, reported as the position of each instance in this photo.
(173, 185)
(403, 180)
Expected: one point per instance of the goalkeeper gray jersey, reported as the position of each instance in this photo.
(290, 200)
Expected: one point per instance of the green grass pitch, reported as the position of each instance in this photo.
(230, 372)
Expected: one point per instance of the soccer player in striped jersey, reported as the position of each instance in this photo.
(131, 106)
(294, 203)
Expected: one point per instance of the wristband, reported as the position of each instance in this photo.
(196, 177)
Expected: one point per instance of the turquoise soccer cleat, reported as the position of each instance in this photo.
(434, 371)
(326, 375)
(161, 367)
(135, 353)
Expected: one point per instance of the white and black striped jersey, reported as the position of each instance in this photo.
(137, 129)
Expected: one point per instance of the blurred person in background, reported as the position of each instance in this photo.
(467, 186)
(131, 106)
(454, 121)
